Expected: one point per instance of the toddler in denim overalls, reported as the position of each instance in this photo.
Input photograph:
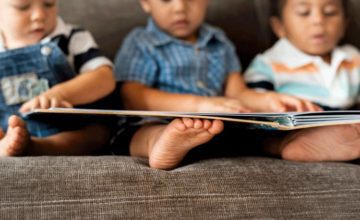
(35, 49)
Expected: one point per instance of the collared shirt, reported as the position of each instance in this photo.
(77, 44)
(152, 57)
(285, 69)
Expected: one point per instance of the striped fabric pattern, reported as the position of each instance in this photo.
(285, 69)
(154, 58)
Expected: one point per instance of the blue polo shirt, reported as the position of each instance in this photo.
(154, 58)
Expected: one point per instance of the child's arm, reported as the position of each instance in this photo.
(85, 88)
(140, 97)
(264, 101)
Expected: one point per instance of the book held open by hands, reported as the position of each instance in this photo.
(274, 121)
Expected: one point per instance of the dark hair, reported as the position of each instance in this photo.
(277, 7)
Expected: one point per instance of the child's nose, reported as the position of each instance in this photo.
(180, 5)
(38, 13)
(318, 17)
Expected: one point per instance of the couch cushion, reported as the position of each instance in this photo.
(107, 187)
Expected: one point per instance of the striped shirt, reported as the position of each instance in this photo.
(285, 69)
(77, 44)
(151, 57)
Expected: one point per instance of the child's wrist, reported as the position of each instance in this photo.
(198, 103)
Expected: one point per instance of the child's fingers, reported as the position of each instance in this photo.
(55, 103)
(24, 108)
(294, 103)
(30, 105)
(312, 107)
(277, 107)
(318, 108)
(44, 102)
(66, 104)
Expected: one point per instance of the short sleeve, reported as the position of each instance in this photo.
(259, 75)
(85, 52)
(232, 60)
(134, 61)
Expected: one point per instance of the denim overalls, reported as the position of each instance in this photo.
(26, 73)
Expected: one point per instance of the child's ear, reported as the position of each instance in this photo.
(145, 6)
(277, 27)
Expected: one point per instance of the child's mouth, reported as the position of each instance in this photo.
(38, 30)
(319, 39)
(181, 24)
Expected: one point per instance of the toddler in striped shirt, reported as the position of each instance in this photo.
(307, 62)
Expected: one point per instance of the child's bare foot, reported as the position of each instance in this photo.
(178, 138)
(335, 143)
(16, 139)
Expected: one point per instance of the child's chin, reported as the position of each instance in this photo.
(185, 37)
(36, 37)
(319, 51)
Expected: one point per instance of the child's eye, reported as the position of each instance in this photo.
(49, 4)
(303, 13)
(22, 7)
(331, 11)
(302, 10)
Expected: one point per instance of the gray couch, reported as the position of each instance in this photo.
(120, 187)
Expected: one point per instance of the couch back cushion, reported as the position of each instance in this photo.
(244, 21)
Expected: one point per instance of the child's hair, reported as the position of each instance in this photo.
(277, 7)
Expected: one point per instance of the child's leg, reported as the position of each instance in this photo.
(17, 141)
(335, 143)
(166, 145)
(78, 142)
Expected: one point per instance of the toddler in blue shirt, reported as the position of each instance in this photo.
(180, 63)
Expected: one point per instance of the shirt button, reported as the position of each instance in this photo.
(201, 84)
(46, 51)
(197, 50)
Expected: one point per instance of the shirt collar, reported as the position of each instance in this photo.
(285, 52)
(159, 37)
(60, 29)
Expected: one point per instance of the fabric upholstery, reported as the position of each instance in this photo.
(110, 187)
(115, 187)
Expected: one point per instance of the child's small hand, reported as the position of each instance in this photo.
(44, 101)
(276, 102)
(221, 105)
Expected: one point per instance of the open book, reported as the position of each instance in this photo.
(272, 121)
